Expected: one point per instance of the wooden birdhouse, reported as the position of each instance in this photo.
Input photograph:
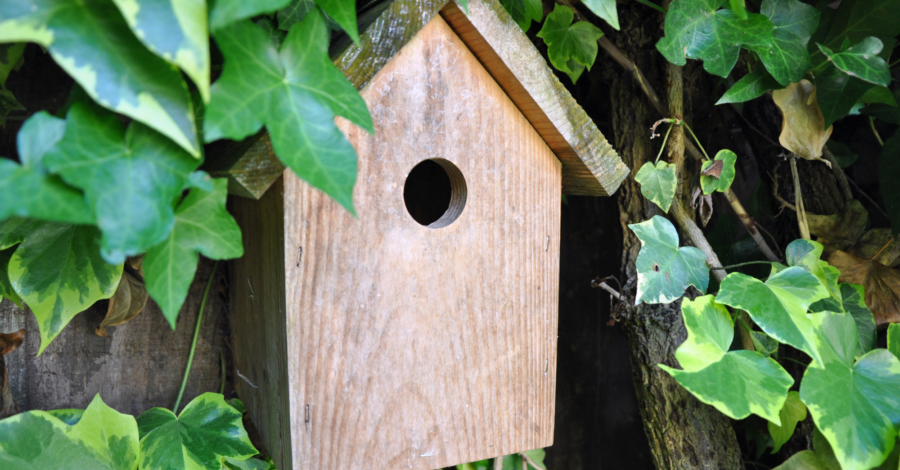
(423, 332)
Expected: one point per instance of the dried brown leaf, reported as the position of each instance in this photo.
(714, 170)
(128, 301)
(880, 244)
(881, 283)
(703, 203)
(842, 230)
(803, 128)
(8, 343)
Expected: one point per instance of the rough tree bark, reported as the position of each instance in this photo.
(683, 432)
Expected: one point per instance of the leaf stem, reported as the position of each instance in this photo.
(875, 131)
(732, 266)
(793, 360)
(187, 370)
(652, 5)
(663, 146)
(695, 139)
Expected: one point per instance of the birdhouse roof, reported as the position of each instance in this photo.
(590, 166)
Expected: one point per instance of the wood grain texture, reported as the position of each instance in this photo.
(251, 165)
(410, 347)
(591, 167)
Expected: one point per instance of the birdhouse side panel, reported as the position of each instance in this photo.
(413, 346)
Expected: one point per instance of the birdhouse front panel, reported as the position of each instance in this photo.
(422, 333)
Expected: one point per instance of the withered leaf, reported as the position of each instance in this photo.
(881, 283)
(714, 170)
(880, 244)
(839, 231)
(8, 343)
(803, 128)
(703, 203)
(128, 301)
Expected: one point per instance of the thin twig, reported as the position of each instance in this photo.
(839, 174)
(531, 462)
(607, 288)
(868, 198)
(498, 463)
(187, 370)
(732, 266)
(875, 131)
(802, 223)
(653, 6)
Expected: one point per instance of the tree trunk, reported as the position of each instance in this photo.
(683, 432)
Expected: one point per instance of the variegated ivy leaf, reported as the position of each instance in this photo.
(778, 305)
(27, 190)
(6, 288)
(295, 92)
(175, 30)
(91, 41)
(229, 463)
(605, 9)
(861, 61)
(753, 85)
(202, 224)
(664, 269)
(737, 383)
(206, 431)
(102, 439)
(711, 183)
(893, 339)
(70, 416)
(791, 413)
(787, 59)
(571, 47)
(657, 183)
(854, 303)
(341, 12)
(129, 178)
(855, 406)
(698, 29)
(58, 272)
(806, 254)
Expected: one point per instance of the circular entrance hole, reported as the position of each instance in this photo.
(435, 193)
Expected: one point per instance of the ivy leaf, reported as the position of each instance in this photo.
(664, 269)
(91, 41)
(854, 303)
(657, 183)
(842, 153)
(15, 230)
(753, 85)
(787, 58)
(571, 48)
(763, 343)
(858, 19)
(294, 13)
(837, 93)
(102, 439)
(854, 405)
(605, 9)
(296, 92)
(129, 178)
(202, 224)
(862, 61)
(207, 430)
(885, 111)
(791, 413)
(175, 31)
(807, 255)
(344, 13)
(779, 305)
(736, 383)
(26, 190)
(523, 12)
(226, 12)
(229, 463)
(58, 272)
(726, 177)
(893, 339)
(70, 416)
(697, 29)
(888, 175)
(802, 129)
(6, 288)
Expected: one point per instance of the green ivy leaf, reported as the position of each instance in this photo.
(174, 30)
(862, 61)
(26, 190)
(888, 175)
(791, 413)
(763, 343)
(726, 177)
(779, 305)
(344, 13)
(295, 92)
(207, 430)
(753, 85)
(91, 41)
(6, 288)
(842, 153)
(605, 9)
(69, 416)
(807, 255)
(657, 183)
(736, 383)
(129, 178)
(571, 48)
(879, 95)
(855, 20)
(294, 13)
(226, 12)
(58, 272)
(893, 339)
(202, 224)
(102, 439)
(854, 405)
(15, 230)
(664, 269)
(229, 463)
(887, 112)
(854, 303)
(837, 93)
(787, 59)
(523, 12)
(697, 29)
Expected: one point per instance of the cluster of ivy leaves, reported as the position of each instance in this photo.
(849, 388)
(207, 435)
(115, 173)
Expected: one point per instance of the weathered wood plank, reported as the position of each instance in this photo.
(250, 166)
